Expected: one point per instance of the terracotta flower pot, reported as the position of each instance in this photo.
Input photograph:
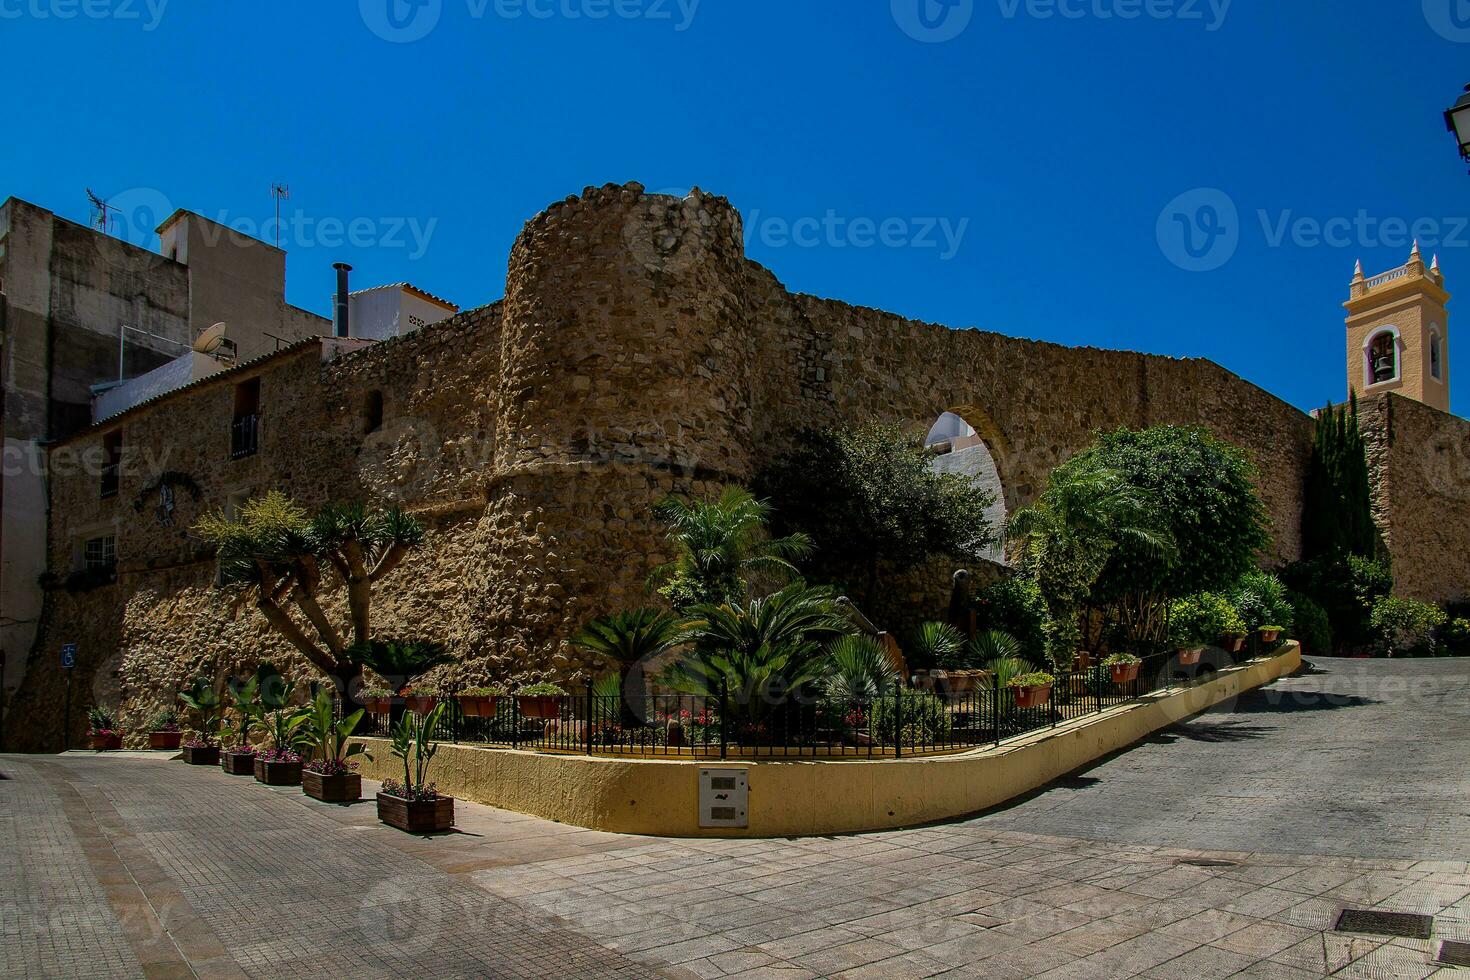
(106, 742)
(963, 681)
(377, 706)
(274, 773)
(478, 705)
(238, 763)
(420, 704)
(1190, 656)
(342, 788)
(201, 755)
(414, 816)
(1125, 673)
(1233, 642)
(544, 706)
(1033, 696)
(1270, 636)
(165, 740)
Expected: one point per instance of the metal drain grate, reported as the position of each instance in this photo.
(1454, 953)
(1408, 925)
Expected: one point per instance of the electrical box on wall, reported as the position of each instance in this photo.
(724, 798)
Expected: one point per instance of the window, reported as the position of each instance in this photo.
(99, 554)
(111, 462)
(1383, 357)
(372, 412)
(245, 429)
(1434, 358)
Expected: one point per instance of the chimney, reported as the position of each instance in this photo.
(342, 305)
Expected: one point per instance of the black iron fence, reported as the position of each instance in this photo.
(936, 715)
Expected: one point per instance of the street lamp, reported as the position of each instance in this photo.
(1457, 121)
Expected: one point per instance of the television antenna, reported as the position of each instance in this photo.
(281, 192)
(102, 212)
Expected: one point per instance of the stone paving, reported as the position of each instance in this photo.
(134, 865)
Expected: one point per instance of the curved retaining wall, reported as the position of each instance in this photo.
(808, 797)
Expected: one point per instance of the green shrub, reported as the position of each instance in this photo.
(1405, 626)
(1261, 600)
(1454, 638)
(936, 645)
(1015, 606)
(1347, 587)
(1312, 628)
(1201, 619)
(925, 718)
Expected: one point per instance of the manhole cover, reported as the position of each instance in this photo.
(1409, 925)
(1453, 953)
(1206, 863)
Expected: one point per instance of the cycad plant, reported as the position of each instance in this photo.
(721, 544)
(631, 640)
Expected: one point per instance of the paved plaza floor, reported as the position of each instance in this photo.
(1224, 847)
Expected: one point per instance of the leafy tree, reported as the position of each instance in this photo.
(1338, 514)
(1067, 537)
(1014, 605)
(869, 498)
(1312, 627)
(1405, 626)
(720, 544)
(1347, 587)
(276, 550)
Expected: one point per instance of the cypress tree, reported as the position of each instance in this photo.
(1338, 515)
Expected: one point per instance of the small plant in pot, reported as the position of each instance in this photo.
(414, 805)
(1032, 690)
(1270, 634)
(330, 776)
(481, 702)
(420, 700)
(280, 765)
(1124, 667)
(164, 731)
(244, 698)
(205, 702)
(540, 701)
(103, 730)
(377, 700)
(1199, 620)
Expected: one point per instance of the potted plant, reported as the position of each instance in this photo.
(377, 700)
(1124, 667)
(1270, 634)
(421, 700)
(414, 805)
(103, 730)
(280, 765)
(540, 701)
(329, 776)
(1198, 620)
(1032, 690)
(480, 702)
(164, 731)
(244, 698)
(204, 701)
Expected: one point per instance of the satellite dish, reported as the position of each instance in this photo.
(210, 340)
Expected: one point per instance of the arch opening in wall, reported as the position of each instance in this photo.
(372, 412)
(959, 448)
(1436, 356)
(1381, 357)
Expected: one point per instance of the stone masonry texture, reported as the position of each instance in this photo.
(637, 353)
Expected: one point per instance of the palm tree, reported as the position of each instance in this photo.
(720, 544)
(632, 640)
(1067, 536)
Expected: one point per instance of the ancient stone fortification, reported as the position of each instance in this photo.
(637, 352)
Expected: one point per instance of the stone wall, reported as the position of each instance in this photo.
(637, 353)
(1419, 465)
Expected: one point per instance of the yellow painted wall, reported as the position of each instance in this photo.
(808, 797)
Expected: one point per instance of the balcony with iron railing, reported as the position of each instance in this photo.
(244, 436)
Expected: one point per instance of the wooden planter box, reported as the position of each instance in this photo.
(277, 773)
(201, 756)
(238, 763)
(420, 704)
(544, 706)
(345, 788)
(165, 740)
(1190, 657)
(478, 705)
(106, 743)
(427, 817)
(1032, 697)
(1125, 673)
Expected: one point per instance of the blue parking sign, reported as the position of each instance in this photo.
(68, 655)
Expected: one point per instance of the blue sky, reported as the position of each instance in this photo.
(1020, 167)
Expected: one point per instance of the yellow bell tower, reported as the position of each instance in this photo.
(1398, 333)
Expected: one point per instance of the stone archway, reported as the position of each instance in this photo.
(962, 447)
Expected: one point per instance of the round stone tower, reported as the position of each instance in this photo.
(625, 374)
